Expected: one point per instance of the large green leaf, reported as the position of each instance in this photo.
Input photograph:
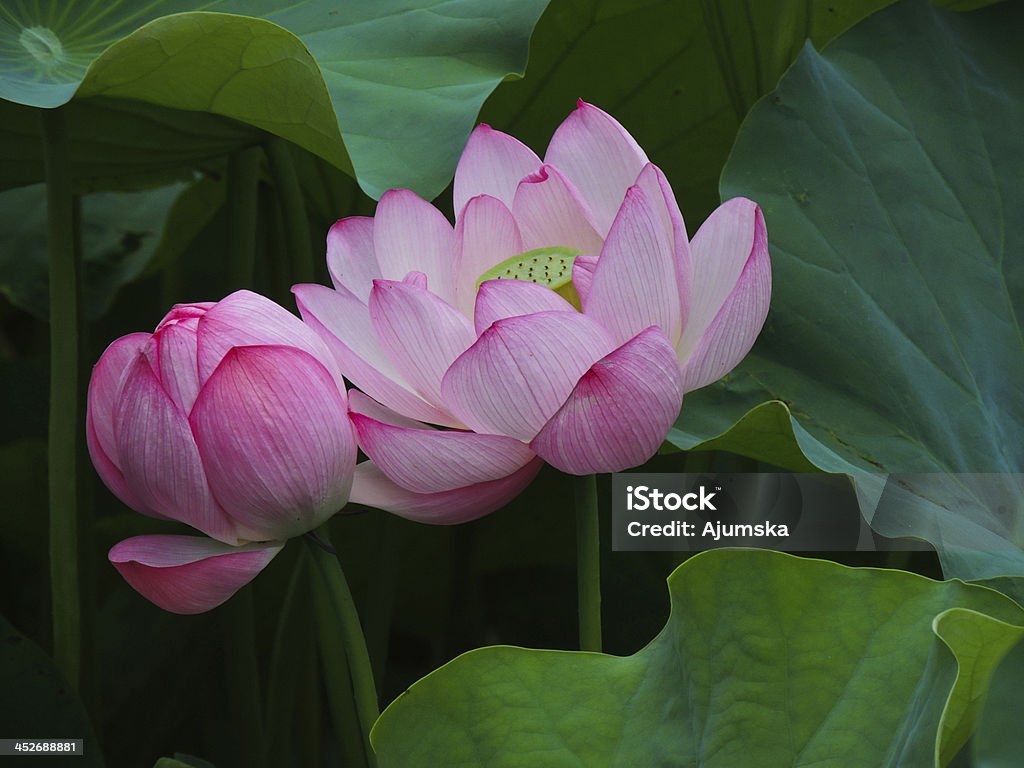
(404, 80)
(120, 233)
(120, 145)
(37, 702)
(888, 169)
(999, 742)
(767, 660)
(680, 74)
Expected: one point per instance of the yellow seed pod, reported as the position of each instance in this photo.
(551, 267)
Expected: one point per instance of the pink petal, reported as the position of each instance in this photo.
(350, 256)
(244, 319)
(550, 212)
(583, 268)
(599, 157)
(420, 332)
(411, 235)
(485, 234)
(415, 279)
(111, 474)
(738, 230)
(491, 164)
(188, 574)
(654, 184)
(372, 488)
(635, 284)
(180, 312)
(521, 369)
(275, 438)
(177, 360)
(498, 299)
(159, 457)
(619, 413)
(431, 460)
(104, 391)
(367, 406)
(343, 322)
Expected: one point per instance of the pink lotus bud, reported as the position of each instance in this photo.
(231, 417)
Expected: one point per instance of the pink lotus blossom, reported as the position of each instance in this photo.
(232, 418)
(513, 369)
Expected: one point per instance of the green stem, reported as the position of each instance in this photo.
(381, 593)
(243, 200)
(63, 429)
(464, 606)
(293, 207)
(588, 561)
(334, 672)
(278, 270)
(308, 710)
(344, 609)
(282, 682)
(88, 691)
(243, 677)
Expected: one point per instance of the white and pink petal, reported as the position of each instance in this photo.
(521, 370)
(431, 460)
(411, 235)
(732, 292)
(635, 284)
(583, 269)
(732, 333)
(655, 185)
(599, 157)
(373, 488)
(361, 403)
(420, 332)
(486, 234)
(498, 299)
(620, 411)
(493, 163)
(551, 212)
(351, 260)
(343, 322)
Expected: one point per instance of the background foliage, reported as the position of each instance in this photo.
(887, 165)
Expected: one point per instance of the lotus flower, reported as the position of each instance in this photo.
(231, 417)
(563, 316)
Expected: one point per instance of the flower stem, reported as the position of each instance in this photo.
(344, 609)
(381, 595)
(588, 561)
(293, 208)
(243, 681)
(63, 442)
(282, 682)
(308, 713)
(243, 199)
(333, 675)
